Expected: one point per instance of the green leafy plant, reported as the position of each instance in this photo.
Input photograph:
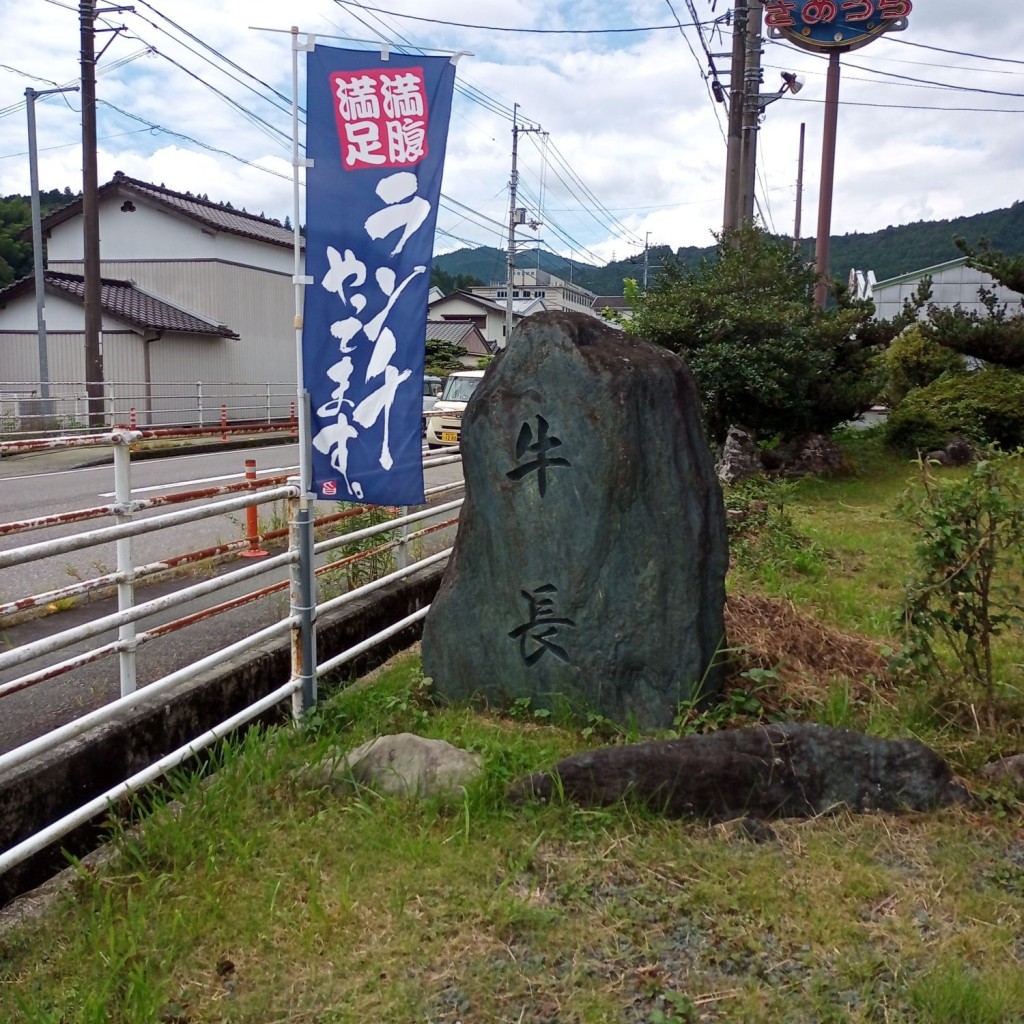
(763, 354)
(986, 406)
(737, 708)
(763, 538)
(966, 588)
(914, 360)
(361, 561)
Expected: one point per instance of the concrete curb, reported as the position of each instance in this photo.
(64, 459)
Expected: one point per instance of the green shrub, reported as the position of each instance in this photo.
(965, 591)
(914, 361)
(987, 407)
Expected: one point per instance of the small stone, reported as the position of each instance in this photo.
(406, 765)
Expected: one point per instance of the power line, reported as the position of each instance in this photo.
(909, 106)
(203, 57)
(464, 88)
(217, 53)
(188, 138)
(528, 31)
(940, 85)
(283, 138)
(956, 53)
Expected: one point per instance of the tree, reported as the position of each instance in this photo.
(997, 337)
(914, 360)
(15, 221)
(764, 356)
(449, 283)
(443, 357)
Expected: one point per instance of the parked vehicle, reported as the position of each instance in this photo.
(431, 393)
(444, 424)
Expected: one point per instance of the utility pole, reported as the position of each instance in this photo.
(516, 216)
(92, 291)
(90, 220)
(647, 249)
(828, 172)
(731, 215)
(31, 95)
(753, 78)
(799, 188)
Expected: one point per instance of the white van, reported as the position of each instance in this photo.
(444, 422)
(431, 393)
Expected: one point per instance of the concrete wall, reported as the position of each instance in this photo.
(44, 789)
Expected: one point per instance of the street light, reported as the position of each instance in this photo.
(790, 83)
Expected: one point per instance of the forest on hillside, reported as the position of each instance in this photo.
(893, 251)
(15, 218)
(890, 252)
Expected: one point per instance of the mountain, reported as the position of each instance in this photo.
(889, 252)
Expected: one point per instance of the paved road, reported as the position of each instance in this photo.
(32, 486)
(32, 712)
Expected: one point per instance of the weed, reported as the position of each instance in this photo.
(956, 994)
(764, 540)
(966, 588)
(739, 707)
(362, 561)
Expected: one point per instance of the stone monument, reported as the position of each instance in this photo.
(589, 567)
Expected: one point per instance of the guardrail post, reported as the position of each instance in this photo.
(199, 402)
(252, 521)
(110, 403)
(125, 561)
(302, 598)
(223, 422)
(402, 553)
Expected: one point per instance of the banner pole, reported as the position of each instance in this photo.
(303, 591)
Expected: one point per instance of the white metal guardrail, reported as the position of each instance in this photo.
(24, 412)
(399, 535)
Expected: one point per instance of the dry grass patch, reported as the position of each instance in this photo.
(806, 658)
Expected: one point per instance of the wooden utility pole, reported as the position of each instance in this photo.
(90, 220)
(828, 173)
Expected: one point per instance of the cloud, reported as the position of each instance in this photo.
(635, 147)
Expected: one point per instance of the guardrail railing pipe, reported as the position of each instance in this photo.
(125, 560)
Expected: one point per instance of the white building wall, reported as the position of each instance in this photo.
(951, 284)
(132, 236)
(257, 305)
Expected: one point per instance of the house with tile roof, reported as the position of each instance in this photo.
(192, 290)
(466, 335)
(485, 313)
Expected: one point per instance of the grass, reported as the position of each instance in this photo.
(249, 894)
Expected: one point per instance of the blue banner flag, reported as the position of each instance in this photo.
(376, 131)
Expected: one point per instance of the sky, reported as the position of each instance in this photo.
(196, 96)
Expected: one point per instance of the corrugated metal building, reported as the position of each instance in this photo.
(194, 291)
(953, 282)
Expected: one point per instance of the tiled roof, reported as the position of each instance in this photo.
(459, 332)
(521, 307)
(610, 302)
(121, 299)
(216, 216)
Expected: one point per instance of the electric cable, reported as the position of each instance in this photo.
(528, 31)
